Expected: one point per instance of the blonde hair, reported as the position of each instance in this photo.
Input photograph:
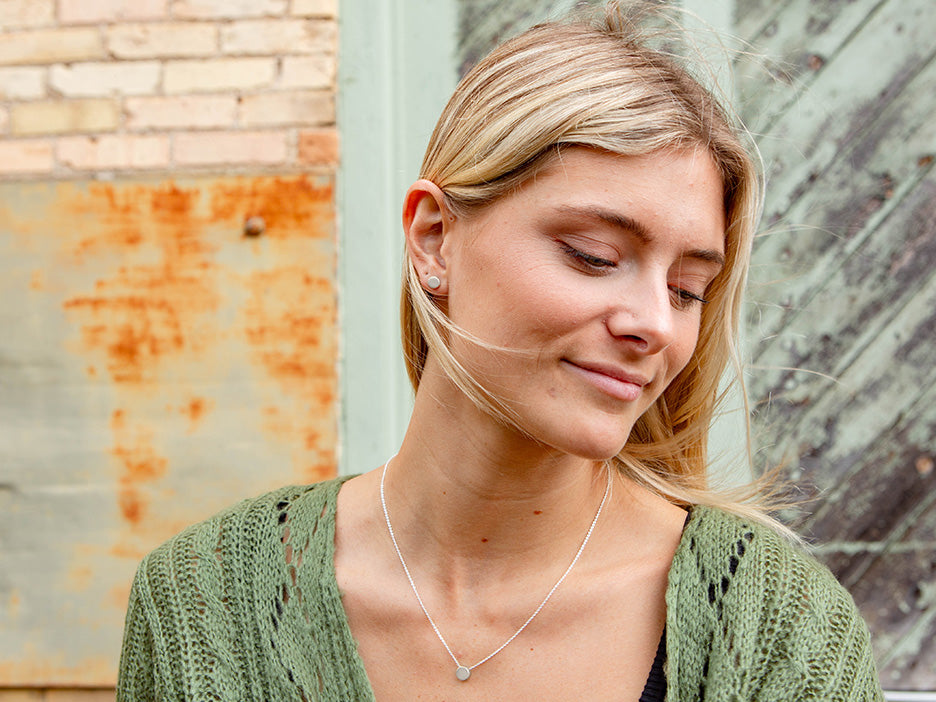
(598, 85)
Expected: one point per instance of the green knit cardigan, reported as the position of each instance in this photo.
(245, 606)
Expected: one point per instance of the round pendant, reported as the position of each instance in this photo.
(462, 673)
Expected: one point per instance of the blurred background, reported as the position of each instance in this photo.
(200, 254)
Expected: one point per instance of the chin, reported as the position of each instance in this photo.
(591, 446)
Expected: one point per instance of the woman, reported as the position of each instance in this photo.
(577, 244)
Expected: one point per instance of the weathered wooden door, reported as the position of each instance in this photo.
(844, 291)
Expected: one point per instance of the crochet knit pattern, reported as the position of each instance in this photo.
(245, 606)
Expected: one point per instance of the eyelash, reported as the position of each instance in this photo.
(683, 298)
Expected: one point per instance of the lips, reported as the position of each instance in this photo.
(610, 379)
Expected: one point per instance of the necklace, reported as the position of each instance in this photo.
(463, 672)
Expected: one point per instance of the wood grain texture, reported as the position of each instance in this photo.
(844, 297)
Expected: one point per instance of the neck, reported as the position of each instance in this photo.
(486, 493)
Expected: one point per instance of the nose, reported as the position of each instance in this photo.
(643, 315)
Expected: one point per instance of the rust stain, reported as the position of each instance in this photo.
(79, 578)
(154, 302)
(289, 325)
(146, 309)
(37, 280)
(14, 601)
(195, 410)
(291, 207)
(139, 463)
(318, 471)
(288, 311)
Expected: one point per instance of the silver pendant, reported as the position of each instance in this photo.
(462, 673)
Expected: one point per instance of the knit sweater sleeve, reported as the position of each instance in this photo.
(761, 620)
(183, 637)
(244, 607)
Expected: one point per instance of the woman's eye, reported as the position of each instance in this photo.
(586, 260)
(683, 299)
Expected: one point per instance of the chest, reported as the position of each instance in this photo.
(595, 645)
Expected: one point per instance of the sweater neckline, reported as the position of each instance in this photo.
(695, 513)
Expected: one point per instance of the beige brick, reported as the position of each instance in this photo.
(275, 36)
(61, 116)
(15, 14)
(182, 112)
(50, 46)
(22, 83)
(78, 11)
(100, 78)
(319, 147)
(215, 75)
(217, 148)
(227, 9)
(20, 695)
(304, 107)
(113, 151)
(25, 156)
(162, 40)
(65, 695)
(315, 71)
(314, 8)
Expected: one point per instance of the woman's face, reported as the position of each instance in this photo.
(596, 268)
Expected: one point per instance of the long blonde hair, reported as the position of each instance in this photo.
(596, 84)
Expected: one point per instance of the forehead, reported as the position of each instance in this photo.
(675, 194)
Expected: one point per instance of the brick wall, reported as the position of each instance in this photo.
(166, 85)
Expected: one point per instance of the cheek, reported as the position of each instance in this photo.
(682, 348)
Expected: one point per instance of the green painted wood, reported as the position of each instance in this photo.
(397, 69)
(844, 293)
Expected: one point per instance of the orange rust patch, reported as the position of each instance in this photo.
(288, 313)
(195, 410)
(131, 507)
(139, 463)
(13, 604)
(146, 309)
(152, 305)
(319, 471)
(79, 578)
(291, 207)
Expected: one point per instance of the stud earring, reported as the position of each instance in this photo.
(433, 282)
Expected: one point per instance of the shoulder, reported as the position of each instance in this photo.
(723, 551)
(246, 527)
(764, 612)
(206, 603)
(236, 548)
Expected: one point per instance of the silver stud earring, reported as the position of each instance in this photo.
(433, 282)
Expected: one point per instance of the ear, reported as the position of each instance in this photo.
(426, 221)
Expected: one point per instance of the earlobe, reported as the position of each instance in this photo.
(425, 223)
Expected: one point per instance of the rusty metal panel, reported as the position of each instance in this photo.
(156, 364)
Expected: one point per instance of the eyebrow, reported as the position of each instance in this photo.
(635, 228)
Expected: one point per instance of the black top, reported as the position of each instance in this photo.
(655, 689)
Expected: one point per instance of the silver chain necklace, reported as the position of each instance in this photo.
(463, 672)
